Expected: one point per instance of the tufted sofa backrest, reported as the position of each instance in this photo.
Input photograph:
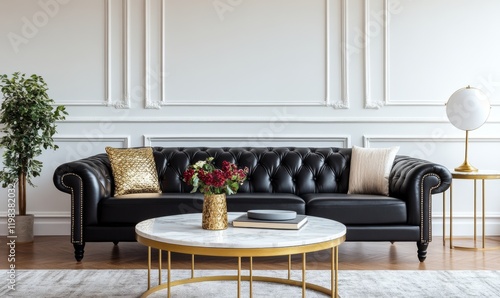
(275, 170)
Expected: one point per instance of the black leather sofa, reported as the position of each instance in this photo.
(311, 181)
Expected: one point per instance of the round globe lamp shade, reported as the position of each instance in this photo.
(468, 108)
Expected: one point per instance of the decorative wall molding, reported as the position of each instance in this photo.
(217, 119)
(123, 100)
(122, 50)
(156, 78)
(85, 144)
(371, 103)
(107, 51)
(383, 19)
(106, 101)
(369, 140)
(125, 139)
(342, 141)
(386, 99)
(150, 103)
(343, 101)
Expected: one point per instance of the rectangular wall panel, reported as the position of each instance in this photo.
(416, 62)
(238, 53)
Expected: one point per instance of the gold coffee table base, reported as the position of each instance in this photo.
(290, 282)
(242, 253)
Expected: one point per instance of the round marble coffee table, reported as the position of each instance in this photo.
(183, 234)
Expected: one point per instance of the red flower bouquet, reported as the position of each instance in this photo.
(204, 176)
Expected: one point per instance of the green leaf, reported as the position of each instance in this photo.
(229, 191)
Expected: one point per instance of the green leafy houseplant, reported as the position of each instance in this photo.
(28, 124)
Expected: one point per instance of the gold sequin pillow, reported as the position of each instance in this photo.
(134, 170)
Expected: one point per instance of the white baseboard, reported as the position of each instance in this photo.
(463, 224)
(46, 224)
(57, 224)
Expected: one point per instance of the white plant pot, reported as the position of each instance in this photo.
(24, 228)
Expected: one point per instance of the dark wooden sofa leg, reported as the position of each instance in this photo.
(116, 242)
(79, 251)
(422, 250)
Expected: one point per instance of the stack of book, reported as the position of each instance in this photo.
(244, 221)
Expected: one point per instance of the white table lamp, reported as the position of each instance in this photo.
(467, 109)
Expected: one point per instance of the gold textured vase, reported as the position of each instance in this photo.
(214, 212)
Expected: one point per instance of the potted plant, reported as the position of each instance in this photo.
(27, 117)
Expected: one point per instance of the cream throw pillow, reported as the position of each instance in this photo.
(134, 170)
(370, 169)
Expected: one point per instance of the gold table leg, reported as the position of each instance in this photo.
(483, 216)
(192, 266)
(483, 221)
(289, 266)
(444, 218)
(303, 275)
(451, 215)
(475, 212)
(169, 276)
(239, 277)
(335, 270)
(159, 266)
(149, 267)
(251, 277)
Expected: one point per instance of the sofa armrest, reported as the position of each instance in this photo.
(88, 181)
(414, 181)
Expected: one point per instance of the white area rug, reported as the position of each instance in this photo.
(359, 283)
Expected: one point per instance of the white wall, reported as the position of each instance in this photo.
(339, 73)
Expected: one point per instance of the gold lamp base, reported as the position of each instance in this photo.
(466, 167)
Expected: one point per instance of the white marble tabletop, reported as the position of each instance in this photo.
(185, 229)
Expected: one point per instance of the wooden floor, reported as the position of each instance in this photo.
(56, 252)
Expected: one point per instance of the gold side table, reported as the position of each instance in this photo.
(480, 175)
